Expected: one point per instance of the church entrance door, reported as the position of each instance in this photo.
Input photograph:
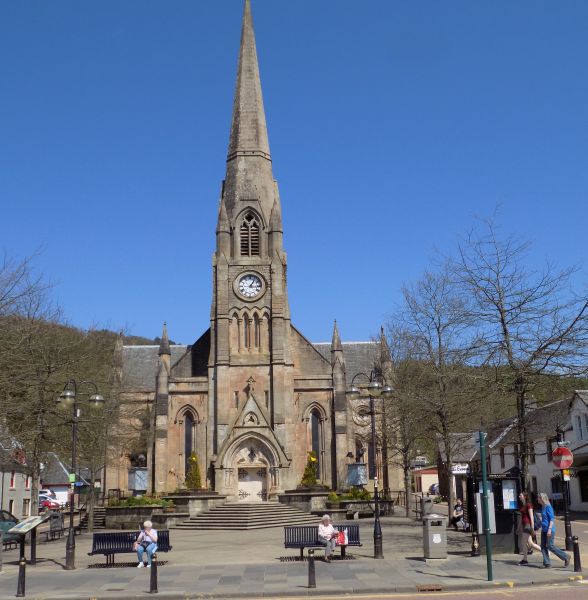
(252, 484)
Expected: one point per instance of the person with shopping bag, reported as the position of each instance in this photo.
(327, 536)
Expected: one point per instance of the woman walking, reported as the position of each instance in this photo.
(526, 528)
(548, 533)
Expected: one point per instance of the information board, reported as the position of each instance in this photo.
(509, 494)
(28, 524)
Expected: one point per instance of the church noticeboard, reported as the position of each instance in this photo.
(28, 524)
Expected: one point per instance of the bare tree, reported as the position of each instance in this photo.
(405, 429)
(532, 326)
(18, 284)
(438, 329)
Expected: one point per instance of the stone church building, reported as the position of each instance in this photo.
(251, 396)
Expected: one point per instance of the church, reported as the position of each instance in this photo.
(252, 396)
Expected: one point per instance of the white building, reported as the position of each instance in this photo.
(15, 486)
(569, 414)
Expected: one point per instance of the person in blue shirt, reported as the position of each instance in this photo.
(548, 533)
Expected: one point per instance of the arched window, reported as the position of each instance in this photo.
(249, 232)
(316, 427)
(246, 332)
(256, 336)
(189, 439)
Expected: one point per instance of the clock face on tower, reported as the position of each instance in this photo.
(250, 286)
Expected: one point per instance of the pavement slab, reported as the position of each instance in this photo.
(255, 565)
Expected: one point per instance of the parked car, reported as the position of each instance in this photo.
(49, 493)
(48, 504)
(8, 521)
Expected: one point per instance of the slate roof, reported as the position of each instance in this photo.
(55, 472)
(360, 357)
(140, 364)
(463, 447)
(542, 423)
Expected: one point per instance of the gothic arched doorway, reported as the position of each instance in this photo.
(251, 472)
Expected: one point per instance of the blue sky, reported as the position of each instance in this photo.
(392, 126)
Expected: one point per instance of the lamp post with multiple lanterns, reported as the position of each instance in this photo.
(375, 389)
(69, 399)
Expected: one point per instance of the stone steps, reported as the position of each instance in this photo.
(99, 518)
(243, 516)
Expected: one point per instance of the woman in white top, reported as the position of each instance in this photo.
(327, 536)
(146, 543)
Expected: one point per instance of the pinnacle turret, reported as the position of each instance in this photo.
(336, 341)
(164, 344)
(276, 218)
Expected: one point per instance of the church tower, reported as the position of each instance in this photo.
(250, 358)
(252, 397)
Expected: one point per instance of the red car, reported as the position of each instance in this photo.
(49, 505)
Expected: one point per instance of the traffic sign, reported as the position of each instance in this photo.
(562, 458)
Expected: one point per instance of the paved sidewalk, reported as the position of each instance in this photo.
(255, 564)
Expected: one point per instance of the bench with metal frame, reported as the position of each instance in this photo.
(121, 542)
(306, 536)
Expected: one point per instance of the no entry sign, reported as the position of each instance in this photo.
(562, 458)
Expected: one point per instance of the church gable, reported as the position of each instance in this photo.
(251, 423)
(194, 361)
(308, 361)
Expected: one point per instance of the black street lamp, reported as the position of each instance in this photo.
(375, 389)
(68, 398)
(566, 495)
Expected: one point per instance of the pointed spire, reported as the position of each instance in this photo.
(248, 129)
(385, 356)
(223, 224)
(164, 344)
(276, 218)
(336, 341)
(249, 180)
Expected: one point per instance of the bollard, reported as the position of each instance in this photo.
(475, 544)
(311, 571)
(33, 560)
(153, 575)
(577, 561)
(20, 588)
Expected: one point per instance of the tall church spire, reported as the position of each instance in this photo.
(249, 172)
(248, 128)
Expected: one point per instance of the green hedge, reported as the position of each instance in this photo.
(141, 501)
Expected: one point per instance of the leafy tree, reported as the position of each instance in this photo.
(193, 480)
(309, 477)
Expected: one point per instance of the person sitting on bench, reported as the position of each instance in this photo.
(327, 536)
(458, 514)
(147, 541)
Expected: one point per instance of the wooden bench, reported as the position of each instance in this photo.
(121, 542)
(306, 536)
